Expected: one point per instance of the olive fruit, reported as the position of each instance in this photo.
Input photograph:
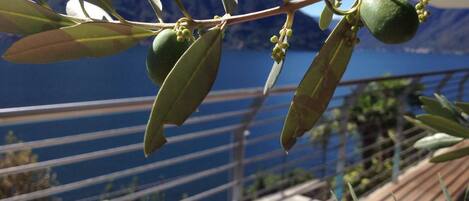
(390, 21)
(163, 55)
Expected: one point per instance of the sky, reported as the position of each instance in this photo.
(316, 9)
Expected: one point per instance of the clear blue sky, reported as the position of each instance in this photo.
(316, 9)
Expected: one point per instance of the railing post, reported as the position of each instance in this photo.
(443, 82)
(349, 101)
(461, 87)
(400, 128)
(239, 138)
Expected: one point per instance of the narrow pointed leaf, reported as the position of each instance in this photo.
(437, 141)
(419, 124)
(318, 85)
(452, 155)
(433, 106)
(158, 8)
(273, 76)
(444, 188)
(444, 125)
(185, 87)
(326, 18)
(26, 17)
(84, 40)
(230, 6)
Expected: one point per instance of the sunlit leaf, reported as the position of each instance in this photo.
(26, 17)
(318, 85)
(274, 73)
(94, 11)
(85, 40)
(433, 106)
(452, 155)
(185, 87)
(444, 125)
(436, 141)
(230, 6)
(326, 18)
(419, 124)
(158, 8)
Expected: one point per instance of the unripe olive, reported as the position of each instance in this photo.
(163, 55)
(390, 21)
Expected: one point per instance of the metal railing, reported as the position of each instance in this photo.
(236, 132)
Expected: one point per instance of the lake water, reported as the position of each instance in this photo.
(124, 75)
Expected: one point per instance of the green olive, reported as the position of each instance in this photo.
(390, 21)
(163, 55)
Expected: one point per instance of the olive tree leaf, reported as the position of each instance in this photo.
(318, 85)
(433, 106)
(274, 73)
(158, 8)
(437, 141)
(326, 18)
(85, 9)
(230, 6)
(444, 125)
(452, 155)
(185, 88)
(420, 124)
(94, 39)
(26, 17)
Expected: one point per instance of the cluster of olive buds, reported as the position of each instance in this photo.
(281, 44)
(422, 11)
(182, 32)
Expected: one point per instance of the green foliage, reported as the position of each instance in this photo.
(28, 182)
(129, 188)
(449, 125)
(79, 35)
(271, 182)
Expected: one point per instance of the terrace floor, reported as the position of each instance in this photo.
(421, 182)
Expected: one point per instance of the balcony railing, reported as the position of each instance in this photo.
(220, 151)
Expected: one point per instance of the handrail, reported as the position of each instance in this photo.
(32, 114)
(57, 112)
